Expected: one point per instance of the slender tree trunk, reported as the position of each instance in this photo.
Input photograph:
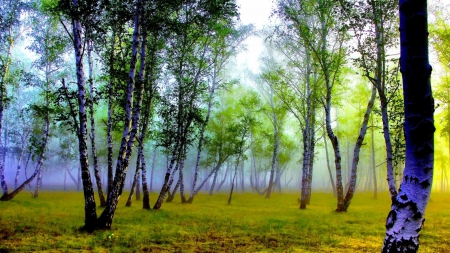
(328, 164)
(92, 136)
(213, 183)
(38, 168)
(5, 70)
(232, 181)
(181, 178)
(153, 169)
(135, 180)
(131, 120)
(374, 174)
(166, 184)
(242, 177)
(312, 142)
(110, 112)
(202, 132)
(2, 160)
(387, 139)
(90, 221)
(275, 150)
(19, 163)
(79, 181)
(145, 191)
(362, 132)
(65, 180)
(216, 168)
(38, 184)
(406, 218)
(224, 177)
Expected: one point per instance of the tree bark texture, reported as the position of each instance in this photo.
(89, 207)
(131, 124)
(92, 135)
(406, 218)
(359, 142)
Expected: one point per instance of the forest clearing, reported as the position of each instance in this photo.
(118, 98)
(250, 224)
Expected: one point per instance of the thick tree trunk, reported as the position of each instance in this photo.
(90, 221)
(362, 133)
(406, 218)
(92, 136)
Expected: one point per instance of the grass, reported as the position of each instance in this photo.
(251, 223)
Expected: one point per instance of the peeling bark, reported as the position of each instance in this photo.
(90, 221)
(406, 218)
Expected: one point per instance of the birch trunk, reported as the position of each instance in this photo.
(92, 136)
(213, 183)
(216, 168)
(145, 191)
(38, 168)
(5, 70)
(312, 142)
(131, 124)
(387, 139)
(374, 174)
(110, 109)
(135, 180)
(202, 133)
(224, 177)
(406, 218)
(328, 163)
(275, 149)
(90, 221)
(362, 133)
(232, 181)
(308, 128)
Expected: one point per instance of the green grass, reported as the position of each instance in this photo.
(251, 223)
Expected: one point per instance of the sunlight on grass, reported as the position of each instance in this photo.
(250, 224)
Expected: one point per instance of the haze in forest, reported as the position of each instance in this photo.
(123, 99)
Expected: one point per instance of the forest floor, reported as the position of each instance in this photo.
(251, 223)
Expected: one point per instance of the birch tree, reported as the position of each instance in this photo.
(406, 218)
